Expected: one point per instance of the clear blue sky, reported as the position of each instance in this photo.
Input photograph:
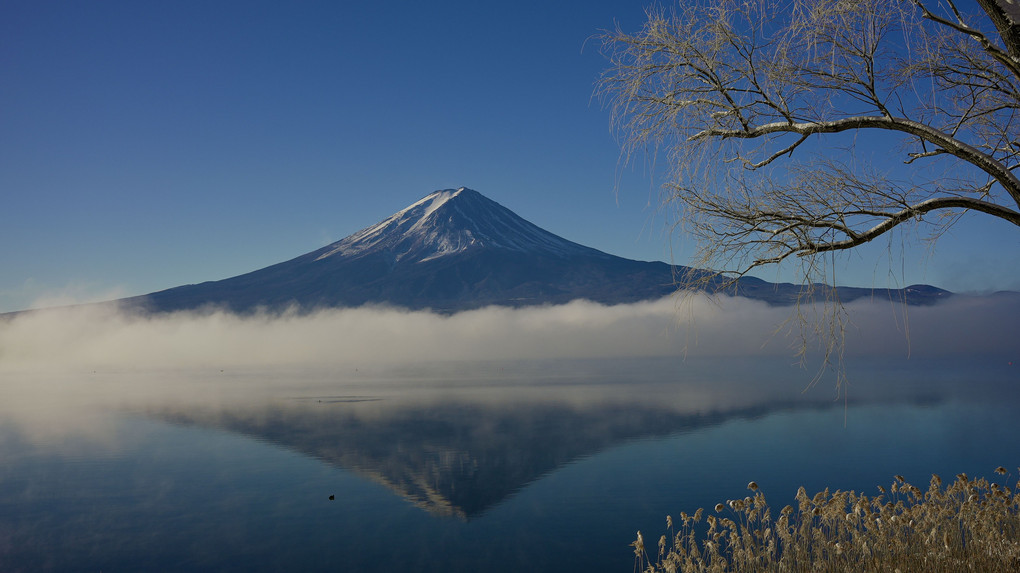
(144, 145)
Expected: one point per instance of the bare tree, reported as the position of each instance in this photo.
(761, 107)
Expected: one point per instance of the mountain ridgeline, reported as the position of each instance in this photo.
(457, 250)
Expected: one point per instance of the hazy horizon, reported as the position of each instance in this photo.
(696, 326)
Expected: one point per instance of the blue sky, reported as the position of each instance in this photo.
(151, 144)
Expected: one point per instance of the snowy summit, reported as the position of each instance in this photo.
(453, 221)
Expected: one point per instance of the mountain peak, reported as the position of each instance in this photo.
(453, 250)
(447, 222)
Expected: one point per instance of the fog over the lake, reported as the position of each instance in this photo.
(64, 369)
(97, 336)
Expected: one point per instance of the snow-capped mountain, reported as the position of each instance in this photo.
(455, 250)
(454, 221)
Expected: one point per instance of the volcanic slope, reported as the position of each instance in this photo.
(456, 250)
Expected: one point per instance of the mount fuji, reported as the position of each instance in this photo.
(456, 250)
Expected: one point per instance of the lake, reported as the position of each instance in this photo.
(547, 465)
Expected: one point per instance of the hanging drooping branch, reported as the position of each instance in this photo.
(759, 105)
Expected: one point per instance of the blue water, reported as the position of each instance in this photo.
(460, 467)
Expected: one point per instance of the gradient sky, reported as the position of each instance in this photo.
(145, 145)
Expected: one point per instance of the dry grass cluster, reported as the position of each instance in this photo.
(965, 526)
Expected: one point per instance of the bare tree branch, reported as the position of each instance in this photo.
(947, 143)
(1008, 57)
(759, 107)
(717, 83)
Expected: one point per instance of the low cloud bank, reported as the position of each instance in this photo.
(94, 336)
(62, 370)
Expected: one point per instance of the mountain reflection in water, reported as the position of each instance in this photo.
(520, 466)
(458, 453)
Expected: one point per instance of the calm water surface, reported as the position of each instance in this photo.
(537, 466)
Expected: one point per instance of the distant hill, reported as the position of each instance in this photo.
(455, 250)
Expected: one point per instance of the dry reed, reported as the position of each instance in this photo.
(969, 525)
